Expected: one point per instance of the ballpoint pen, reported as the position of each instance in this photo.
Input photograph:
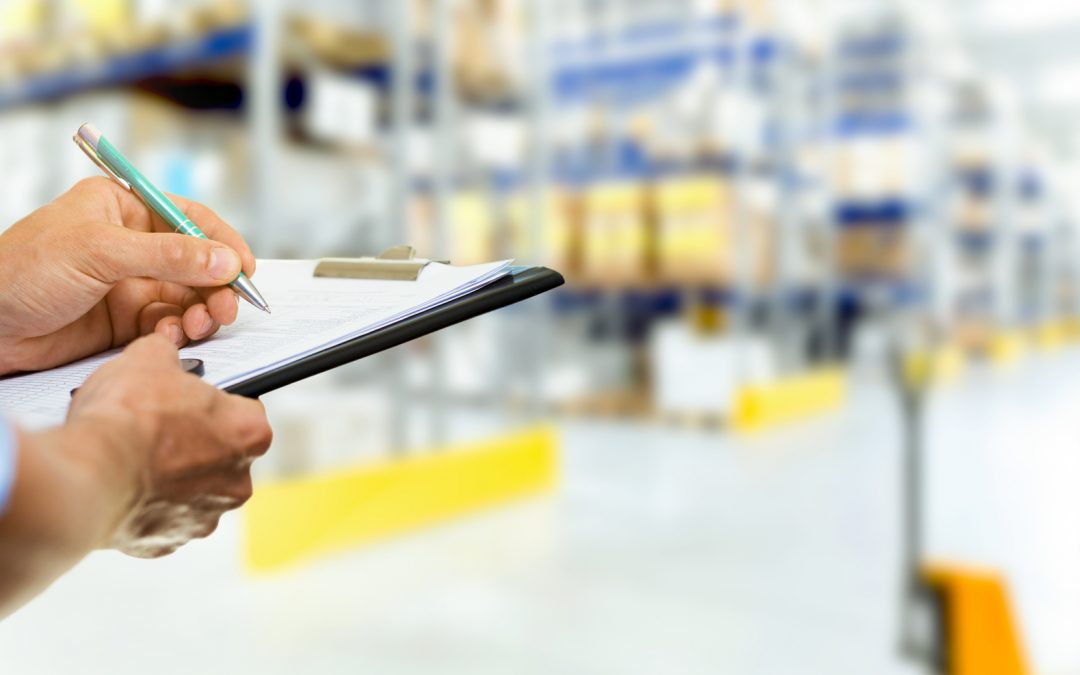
(108, 158)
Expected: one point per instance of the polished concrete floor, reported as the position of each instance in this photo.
(663, 551)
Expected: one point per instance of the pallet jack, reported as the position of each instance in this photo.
(955, 619)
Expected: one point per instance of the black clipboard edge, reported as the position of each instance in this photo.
(522, 284)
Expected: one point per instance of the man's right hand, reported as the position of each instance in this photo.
(96, 269)
(176, 451)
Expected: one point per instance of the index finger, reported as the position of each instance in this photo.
(214, 227)
(136, 215)
(155, 348)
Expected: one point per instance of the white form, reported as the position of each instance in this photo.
(309, 314)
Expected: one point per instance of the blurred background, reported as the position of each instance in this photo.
(811, 379)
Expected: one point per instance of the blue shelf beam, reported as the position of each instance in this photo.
(128, 68)
(892, 212)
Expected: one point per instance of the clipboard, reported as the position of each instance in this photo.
(521, 284)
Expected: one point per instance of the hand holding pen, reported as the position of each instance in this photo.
(96, 269)
(116, 166)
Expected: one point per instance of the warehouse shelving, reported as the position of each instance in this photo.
(581, 102)
(125, 69)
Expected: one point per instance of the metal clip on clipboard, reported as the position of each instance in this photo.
(398, 263)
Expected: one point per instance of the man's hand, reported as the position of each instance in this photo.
(96, 269)
(149, 458)
(183, 448)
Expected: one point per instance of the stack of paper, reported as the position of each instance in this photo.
(309, 315)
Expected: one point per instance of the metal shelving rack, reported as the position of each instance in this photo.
(620, 68)
(178, 54)
(255, 45)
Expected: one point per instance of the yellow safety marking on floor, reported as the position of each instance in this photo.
(982, 637)
(1049, 336)
(764, 405)
(1070, 329)
(291, 520)
(1007, 347)
(943, 365)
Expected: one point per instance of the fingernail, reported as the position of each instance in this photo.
(175, 334)
(222, 263)
(207, 324)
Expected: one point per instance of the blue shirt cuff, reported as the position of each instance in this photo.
(7, 463)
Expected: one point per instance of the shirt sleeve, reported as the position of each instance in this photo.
(7, 463)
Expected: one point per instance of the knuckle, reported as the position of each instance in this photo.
(250, 429)
(244, 491)
(198, 212)
(257, 432)
(174, 252)
(148, 551)
(206, 528)
(94, 183)
(262, 434)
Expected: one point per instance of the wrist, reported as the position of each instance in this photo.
(104, 467)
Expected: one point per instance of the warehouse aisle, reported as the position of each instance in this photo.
(674, 552)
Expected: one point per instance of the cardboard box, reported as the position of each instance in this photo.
(698, 239)
(617, 241)
(874, 251)
(557, 237)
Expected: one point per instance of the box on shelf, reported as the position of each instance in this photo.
(698, 240)
(472, 228)
(974, 335)
(873, 250)
(693, 235)
(557, 232)
(487, 39)
(341, 46)
(22, 21)
(972, 214)
(872, 166)
(617, 239)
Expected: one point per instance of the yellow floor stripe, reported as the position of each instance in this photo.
(1050, 335)
(291, 520)
(770, 404)
(1070, 329)
(943, 365)
(1007, 347)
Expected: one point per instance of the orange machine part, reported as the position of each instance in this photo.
(981, 635)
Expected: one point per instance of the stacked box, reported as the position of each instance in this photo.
(471, 228)
(694, 241)
(617, 237)
(874, 251)
(698, 240)
(556, 236)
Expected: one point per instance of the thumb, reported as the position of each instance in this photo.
(167, 257)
